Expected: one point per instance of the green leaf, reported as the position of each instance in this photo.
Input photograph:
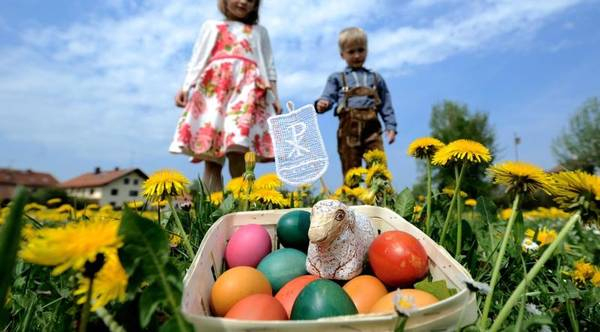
(171, 326)
(405, 204)
(149, 301)
(437, 288)
(146, 243)
(10, 236)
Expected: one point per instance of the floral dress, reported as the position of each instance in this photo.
(227, 111)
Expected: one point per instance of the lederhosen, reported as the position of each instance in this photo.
(360, 129)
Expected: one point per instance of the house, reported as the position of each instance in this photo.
(11, 178)
(113, 187)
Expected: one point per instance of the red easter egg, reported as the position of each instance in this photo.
(257, 307)
(289, 292)
(398, 259)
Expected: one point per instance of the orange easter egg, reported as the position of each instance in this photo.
(234, 285)
(386, 303)
(364, 291)
(258, 307)
(289, 292)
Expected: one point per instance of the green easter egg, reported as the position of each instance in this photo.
(292, 229)
(282, 265)
(322, 298)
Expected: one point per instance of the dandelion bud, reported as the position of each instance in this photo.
(250, 159)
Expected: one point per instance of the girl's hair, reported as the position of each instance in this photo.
(352, 35)
(251, 18)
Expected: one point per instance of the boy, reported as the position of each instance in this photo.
(360, 94)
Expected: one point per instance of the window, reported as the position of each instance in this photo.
(113, 204)
(126, 180)
(133, 193)
(114, 192)
(92, 191)
(135, 181)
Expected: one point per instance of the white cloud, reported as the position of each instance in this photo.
(105, 85)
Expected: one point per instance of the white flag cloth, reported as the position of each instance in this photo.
(300, 155)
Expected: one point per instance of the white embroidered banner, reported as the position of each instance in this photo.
(300, 155)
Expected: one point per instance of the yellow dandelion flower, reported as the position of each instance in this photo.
(174, 240)
(165, 183)
(343, 190)
(450, 192)
(53, 201)
(267, 181)
(354, 176)
(521, 177)
(135, 204)
(471, 202)
(92, 207)
(571, 186)
(505, 213)
(268, 196)
(356, 192)
(546, 236)
(72, 245)
(582, 271)
(65, 208)
(34, 207)
(596, 278)
(110, 283)
(424, 147)
(418, 208)
(236, 186)
(530, 233)
(462, 149)
(106, 208)
(374, 157)
(368, 197)
(216, 198)
(378, 171)
(159, 204)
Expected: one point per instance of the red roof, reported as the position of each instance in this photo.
(26, 178)
(98, 179)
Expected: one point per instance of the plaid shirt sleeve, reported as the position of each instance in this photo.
(386, 109)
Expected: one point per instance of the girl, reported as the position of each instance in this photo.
(232, 80)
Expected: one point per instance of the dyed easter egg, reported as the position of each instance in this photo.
(257, 307)
(283, 265)
(234, 285)
(398, 259)
(247, 246)
(386, 303)
(292, 229)
(322, 298)
(364, 291)
(289, 292)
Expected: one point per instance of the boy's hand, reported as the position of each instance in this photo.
(181, 98)
(391, 135)
(322, 105)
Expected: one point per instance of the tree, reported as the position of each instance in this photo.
(578, 147)
(451, 121)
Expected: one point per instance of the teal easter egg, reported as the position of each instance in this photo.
(282, 265)
(292, 229)
(322, 298)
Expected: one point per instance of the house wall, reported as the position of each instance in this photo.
(125, 189)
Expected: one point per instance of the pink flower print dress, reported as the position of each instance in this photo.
(227, 111)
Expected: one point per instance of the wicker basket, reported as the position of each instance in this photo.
(449, 314)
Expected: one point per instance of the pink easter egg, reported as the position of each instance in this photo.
(247, 246)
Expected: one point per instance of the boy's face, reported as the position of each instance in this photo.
(355, 54)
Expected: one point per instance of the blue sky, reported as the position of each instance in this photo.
(90, 83)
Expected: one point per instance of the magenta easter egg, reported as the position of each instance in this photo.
(247, 246)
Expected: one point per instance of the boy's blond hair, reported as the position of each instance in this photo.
(352, 35)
